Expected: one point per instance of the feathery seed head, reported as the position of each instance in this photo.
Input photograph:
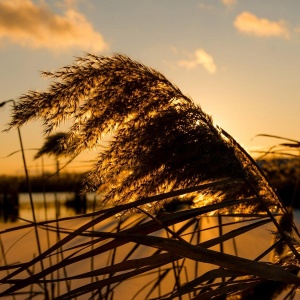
(162, 140)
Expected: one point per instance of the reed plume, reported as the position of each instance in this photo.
(161, 140)
(53, 146)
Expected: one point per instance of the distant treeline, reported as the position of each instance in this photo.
(65, 182)
(284, 175)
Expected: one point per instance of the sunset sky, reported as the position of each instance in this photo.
(238, 59)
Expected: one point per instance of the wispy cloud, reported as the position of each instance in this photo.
(297, 30)
(36, 26)
(228, 2)
(200, 58)
(249, 23)
(205, 6)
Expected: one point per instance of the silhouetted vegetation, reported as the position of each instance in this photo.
(164, 151)
(284, 175)
(67, 182)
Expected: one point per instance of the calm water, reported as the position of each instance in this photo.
(52, 205)
(47, 206)
(247, 246)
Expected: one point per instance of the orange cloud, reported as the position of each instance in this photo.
(249, 23)
(228, 2)
(36, 26)
(297, 29)
(201, 57)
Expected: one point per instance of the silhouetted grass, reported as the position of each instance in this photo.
(164, 150)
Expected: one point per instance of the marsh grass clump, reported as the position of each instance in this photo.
(163, 148)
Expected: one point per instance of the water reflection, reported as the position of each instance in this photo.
(9, 206)
(47, 206)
